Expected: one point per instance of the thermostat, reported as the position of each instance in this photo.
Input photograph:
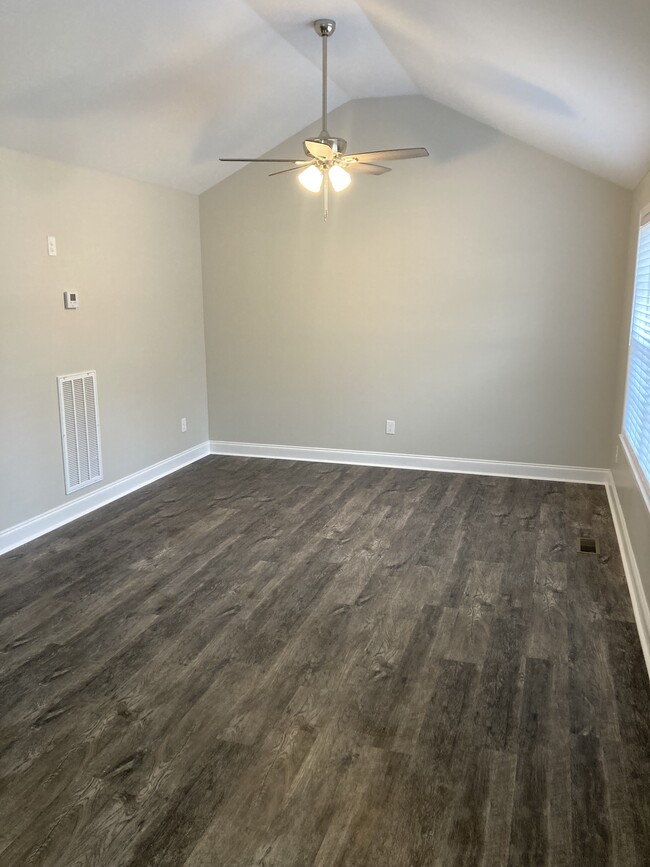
(70, 300)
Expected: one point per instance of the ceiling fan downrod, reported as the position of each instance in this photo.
(324, 27)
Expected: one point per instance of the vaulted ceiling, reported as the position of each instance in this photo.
(158, 89)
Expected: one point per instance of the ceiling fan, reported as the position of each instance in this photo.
(327, 162)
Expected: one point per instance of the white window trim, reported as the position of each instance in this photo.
(637, 472)
(639, 476)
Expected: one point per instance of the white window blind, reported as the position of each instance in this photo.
(637, 405)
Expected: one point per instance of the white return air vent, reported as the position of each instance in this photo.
(82, 453)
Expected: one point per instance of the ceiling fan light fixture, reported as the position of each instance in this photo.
(311, 178)
(328, 163)
(339, 178)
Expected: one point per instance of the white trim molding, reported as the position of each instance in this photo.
(637, 472)
(547, 472)
(19, 534)
(632, 573)
(33, 528)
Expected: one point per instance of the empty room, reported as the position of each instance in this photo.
(325, 434)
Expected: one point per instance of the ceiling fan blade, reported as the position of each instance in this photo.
(246, 160)
(293, 168)
(318, 149)
(366, 168)
(398, 154)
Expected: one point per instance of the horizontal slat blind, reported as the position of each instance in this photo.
(637, 405)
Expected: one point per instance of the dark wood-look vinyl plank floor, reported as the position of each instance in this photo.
(286, 664)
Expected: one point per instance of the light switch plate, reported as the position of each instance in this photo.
(70, 300)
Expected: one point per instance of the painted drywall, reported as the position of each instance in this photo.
(132, 252)
(635, 511)
(474, 297)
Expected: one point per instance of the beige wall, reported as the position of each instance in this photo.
(634, 508)
(132, 252)
(474, 297)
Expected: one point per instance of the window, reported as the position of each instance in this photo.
(636, 424)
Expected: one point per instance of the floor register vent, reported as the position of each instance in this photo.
(587, 545)
(82, 456)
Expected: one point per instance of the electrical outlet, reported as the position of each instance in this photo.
(390, 426)
(51, 245)
(183, 425)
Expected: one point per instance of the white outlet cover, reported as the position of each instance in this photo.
(390, 426)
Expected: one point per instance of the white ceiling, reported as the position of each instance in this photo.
(159, 89)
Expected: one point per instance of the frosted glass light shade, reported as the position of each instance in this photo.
(311, 179)
(340, 178)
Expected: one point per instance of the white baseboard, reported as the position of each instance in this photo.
(546, 472)
(488, 468)
(632, 573)
(34, 527)
(20, 533)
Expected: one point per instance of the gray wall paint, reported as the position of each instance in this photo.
(634, 508)
(474, 297)
(132, 251)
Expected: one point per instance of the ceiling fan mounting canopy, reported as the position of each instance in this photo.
(327, 162)
(324, 26)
